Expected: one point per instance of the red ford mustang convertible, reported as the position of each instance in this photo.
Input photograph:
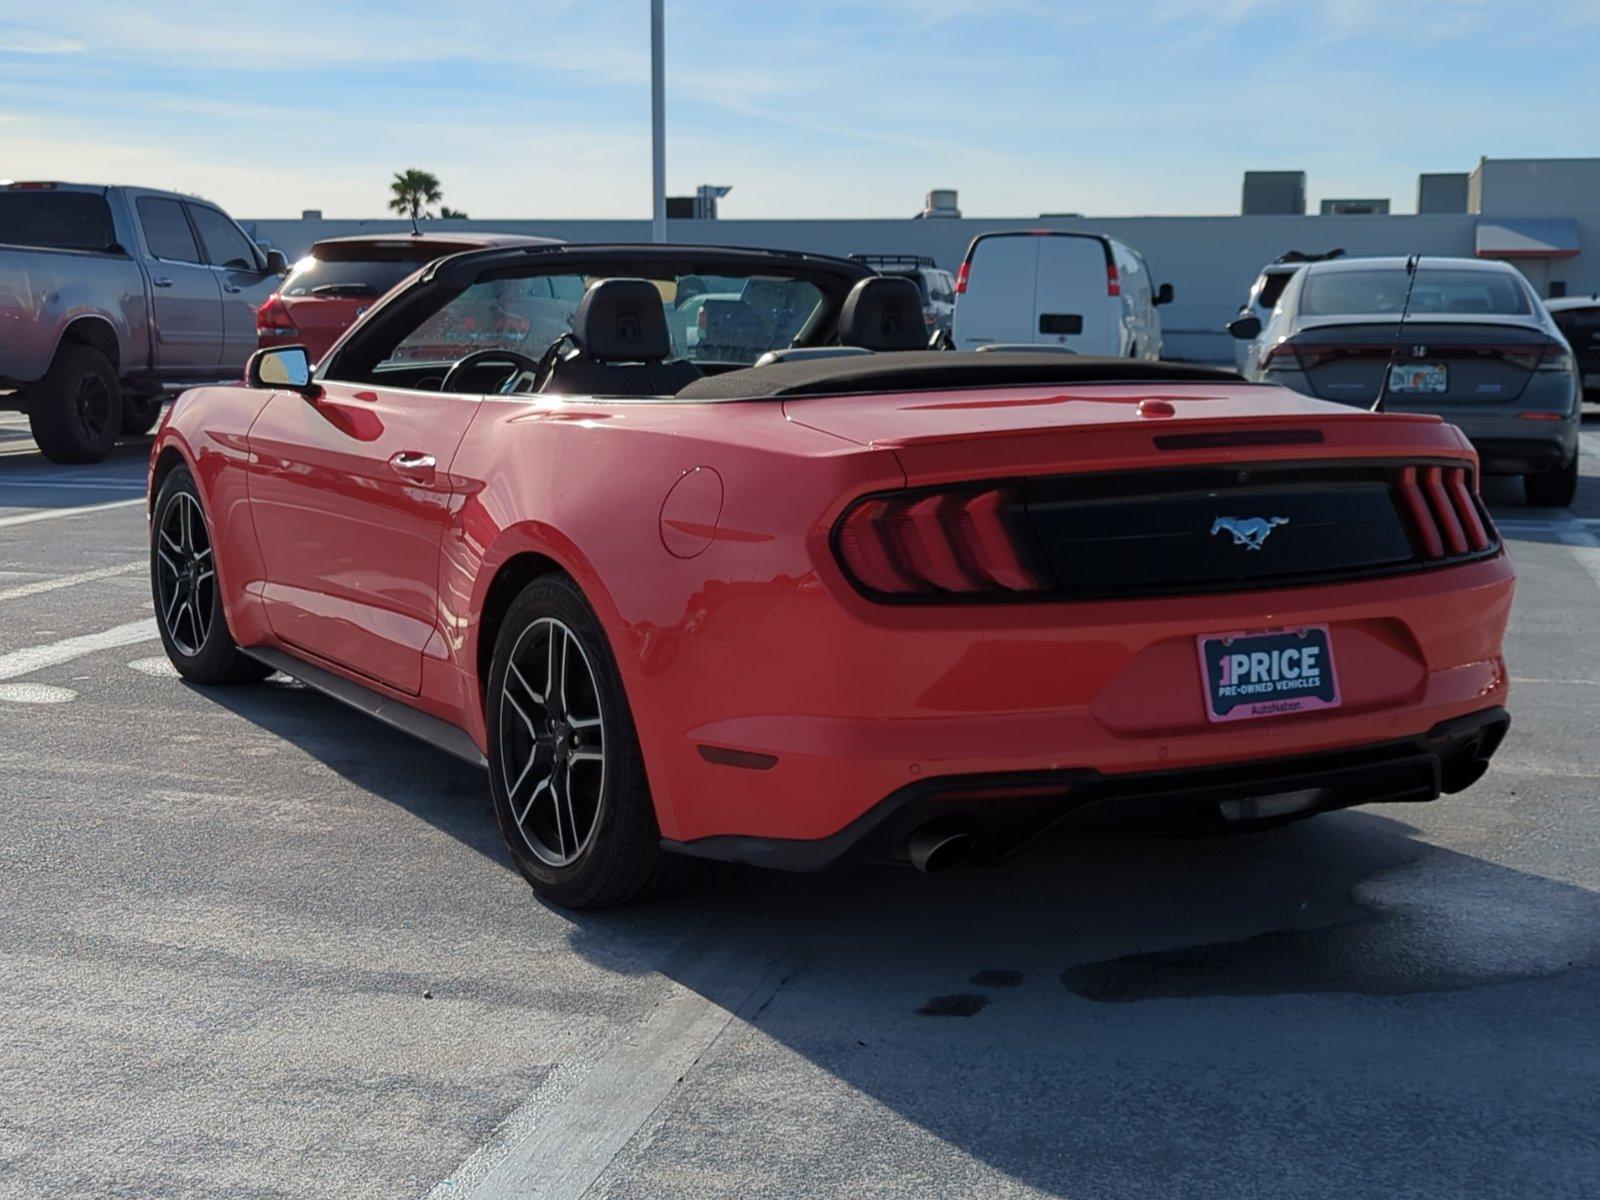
(701, 553)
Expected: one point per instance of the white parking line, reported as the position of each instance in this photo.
(50, 514)
(559, 1155)
(66, 581)
(116, 484)
(36, 658)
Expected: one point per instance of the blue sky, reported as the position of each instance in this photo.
(811, 108)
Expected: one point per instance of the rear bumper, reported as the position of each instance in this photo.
(801, 727)
(1520, 456)
(1537, 431)
(1002, 812)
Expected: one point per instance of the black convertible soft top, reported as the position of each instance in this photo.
(939, 370)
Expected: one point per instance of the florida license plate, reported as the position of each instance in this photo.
(1419, 378)
(1267, 672)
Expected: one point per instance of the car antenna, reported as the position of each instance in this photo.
(1399, 330)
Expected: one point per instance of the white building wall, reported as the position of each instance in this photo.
(1210, 261)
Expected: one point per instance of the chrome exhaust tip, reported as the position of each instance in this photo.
(933, 848)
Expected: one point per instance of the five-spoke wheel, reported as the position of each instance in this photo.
(565, 770)
(186, 576)
(552, 742)
(184, 588)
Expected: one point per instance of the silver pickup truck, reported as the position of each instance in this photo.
(112, 296)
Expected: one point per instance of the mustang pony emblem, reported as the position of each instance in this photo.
(1248, 532)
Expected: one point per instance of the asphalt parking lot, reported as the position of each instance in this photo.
(256, 945)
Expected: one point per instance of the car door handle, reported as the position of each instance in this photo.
(162, 281)
(232, 287)
(414, 466)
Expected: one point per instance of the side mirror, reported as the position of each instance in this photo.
(1164, 294)
(277, 262)
(285, 368)
(1246, 327)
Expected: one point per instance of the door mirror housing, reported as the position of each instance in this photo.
(1164, 294)
(277, 262)
(282, 368)
(1246, 327)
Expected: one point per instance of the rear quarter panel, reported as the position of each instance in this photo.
(586, 486)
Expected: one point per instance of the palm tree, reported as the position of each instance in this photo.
(413, 191)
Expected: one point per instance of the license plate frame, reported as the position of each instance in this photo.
(1235, 691)
(1419, 379)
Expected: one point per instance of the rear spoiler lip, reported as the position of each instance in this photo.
(1354, 435)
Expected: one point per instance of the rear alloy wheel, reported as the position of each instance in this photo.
(1555, 488)
(183, 584)
(565, 770)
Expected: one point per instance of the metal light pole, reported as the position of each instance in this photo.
(658, 120)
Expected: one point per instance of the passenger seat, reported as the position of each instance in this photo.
(883, 313)
(880, 313)
(622, 345)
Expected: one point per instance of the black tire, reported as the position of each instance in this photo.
(140, 414)
(1556, 488)
(189, 616)
(614, 855)
(75, 411)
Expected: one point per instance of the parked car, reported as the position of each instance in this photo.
(1578, 318)
(1462, 338)
(1263, 295)
(110, 296)
(938, 287)
(341, 277)
(994, 591)
(1087, 292)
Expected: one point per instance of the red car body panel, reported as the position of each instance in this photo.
(700, 533)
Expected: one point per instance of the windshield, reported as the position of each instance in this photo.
(313, 277)
(1438, 291)
(712, 318)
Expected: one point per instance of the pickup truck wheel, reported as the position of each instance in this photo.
(183, 583)
(140, 414)
(1556, 488)
(75, 411)
(565, 772)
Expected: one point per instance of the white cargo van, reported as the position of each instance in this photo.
(1084, 292)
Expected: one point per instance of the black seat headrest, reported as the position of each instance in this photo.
(622, 320)
(884, 313)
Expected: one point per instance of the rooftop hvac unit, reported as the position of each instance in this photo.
(941, 202)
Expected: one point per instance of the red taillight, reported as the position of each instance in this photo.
(700, 321)
(935, 543)
(1291, 354)
(963, 273)
(1441, 507)
(273, 320)
(1113, 280)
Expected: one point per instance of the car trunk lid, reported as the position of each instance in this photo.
(1484, 361)
(992, 432)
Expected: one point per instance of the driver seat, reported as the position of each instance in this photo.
(621, 345)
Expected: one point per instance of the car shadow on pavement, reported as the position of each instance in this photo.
(29, 480)
(1283, 1013)
(1332, 1008)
